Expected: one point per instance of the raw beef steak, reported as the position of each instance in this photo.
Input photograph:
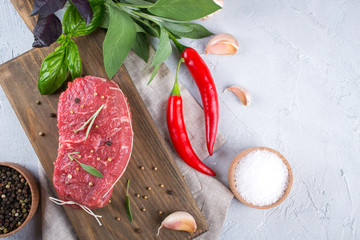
(107, 147)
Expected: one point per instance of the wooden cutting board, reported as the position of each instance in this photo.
(18, 78)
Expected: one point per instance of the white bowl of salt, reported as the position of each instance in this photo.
(260, 177)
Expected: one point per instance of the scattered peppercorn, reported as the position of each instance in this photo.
(137, 195)
(161, 185)
(109, 201)
(145, 197)
(77, 100)
(41, 134)
(160, 212)
(108, 143)
(118, 219)
(155, 168)
(52, 115)
(170, 192)
(138, 230)
(142, 167)
(143, 209)
(148, 188)
(38, 102)
(15, 201)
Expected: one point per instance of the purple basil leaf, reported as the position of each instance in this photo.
(47, 30)
(84, 8)
(47, 7)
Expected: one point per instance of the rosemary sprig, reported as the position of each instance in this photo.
(93, 171)
(91, 121)
(127, 202)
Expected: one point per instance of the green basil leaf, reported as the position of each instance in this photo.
(164, 48)
(119, 39)
(185, 10)
(73, 59)
(75, 25)
(141, 46)
(197, 31)
(53, 71)
(156, 69)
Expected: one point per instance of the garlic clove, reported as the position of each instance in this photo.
(222, 44)
(241, 93)
(218, 2)
(181, 221)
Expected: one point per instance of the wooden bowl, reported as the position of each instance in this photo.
(232, 180)
(34, 193)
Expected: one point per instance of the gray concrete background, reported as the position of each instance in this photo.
(300, 62)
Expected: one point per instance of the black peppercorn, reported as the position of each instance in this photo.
(52, 115)
(77, 100)
(170, 192)
(108, 143)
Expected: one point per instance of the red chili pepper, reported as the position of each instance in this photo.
(177, 130)
(206, 85)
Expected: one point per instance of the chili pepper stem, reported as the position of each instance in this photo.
(176, 91)
(178, 45)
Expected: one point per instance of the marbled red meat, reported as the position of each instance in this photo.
(107, 147)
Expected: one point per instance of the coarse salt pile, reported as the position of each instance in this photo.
(261, 178)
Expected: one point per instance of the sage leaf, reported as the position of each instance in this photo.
(47, 7)
(139, 3)
(53, 71)
(177, 27)
(185, 10)
(73, 59)
(156, 69)
(150, 29)
(75, 25)
(197, 31)
(141, 46)
(164, 48)
(119, 39)
(47, 30)
(84, 8)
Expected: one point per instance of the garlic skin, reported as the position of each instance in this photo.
(181, 221)
(222, 44)
(218, 2)
(241, 93)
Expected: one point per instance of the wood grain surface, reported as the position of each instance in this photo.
(18, 78)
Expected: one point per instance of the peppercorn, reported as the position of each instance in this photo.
(118, 219)
(142, 167)
(108, 143)
(52, 115)
(170, 192)
(138, 230)
(15, 199)
(77, 100)
(143, 209)
(38, 102)
(160, 212)
(41, 134)
(155, 168)
(148, 188)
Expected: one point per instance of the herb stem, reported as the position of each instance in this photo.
(91, 121)
(127, 202)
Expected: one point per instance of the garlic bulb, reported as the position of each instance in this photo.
(222, 44)
(181, 221)
(218, 2)
(241, 93)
